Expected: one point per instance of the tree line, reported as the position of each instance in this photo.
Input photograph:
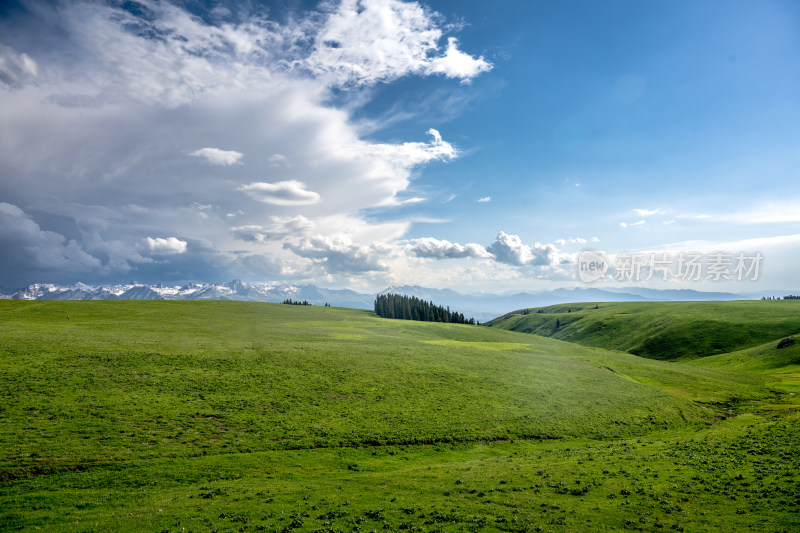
(413, 308)
(289, 301)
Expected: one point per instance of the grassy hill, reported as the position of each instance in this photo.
(765, 358)
(661, 330)
(186, 378)
(234, 416)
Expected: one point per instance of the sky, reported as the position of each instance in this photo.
(476, 146)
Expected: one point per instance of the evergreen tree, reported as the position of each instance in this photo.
(413, 308)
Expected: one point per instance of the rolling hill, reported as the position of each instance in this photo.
(300, 377)
(242, 416)
(661, 330)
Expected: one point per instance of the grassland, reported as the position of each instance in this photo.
(661, 330)
(203, 416)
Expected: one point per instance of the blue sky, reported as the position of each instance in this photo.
(466, 145)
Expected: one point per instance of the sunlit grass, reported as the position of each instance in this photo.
(131, 416)
(662, 330)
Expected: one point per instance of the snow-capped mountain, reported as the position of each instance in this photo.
(234, 290)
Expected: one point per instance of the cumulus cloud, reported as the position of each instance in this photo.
(456, 64)
(280, 228)
(366, 41)
(509, 249)
(215, 156)
(339, 255)
(166, 246)
(290, 192)
(485, 199)
(646, 212)
(26, 245)
(506, 249)
(428, 247)
(136, 91)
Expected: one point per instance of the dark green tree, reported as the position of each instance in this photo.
(413, 308)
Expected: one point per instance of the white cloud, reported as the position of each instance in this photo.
(646, 212)
(414, 200)
(457, 64)
(632, 224)
(289, 193)
(16, 69)
(339, 255)
(430, 248)
(215, 156)
(166, 246)
(366, 41)
(280, 228)
(509, 249)
(391, 164)
(485, 199)
(176, 81)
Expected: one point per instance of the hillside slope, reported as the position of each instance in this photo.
(661, 330)
(764, 358)
(233, 416)
(201, 377)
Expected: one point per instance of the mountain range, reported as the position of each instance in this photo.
(480, 306)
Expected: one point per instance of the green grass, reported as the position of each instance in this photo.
(232, 416)
(765, 358)
(662, 330)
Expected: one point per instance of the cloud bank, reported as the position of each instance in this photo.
(142, 139)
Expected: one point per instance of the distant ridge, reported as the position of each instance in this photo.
(487, 306)
(234, 290)
(481, 306)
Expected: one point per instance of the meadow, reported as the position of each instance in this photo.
(234, 416)
(661, 330)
